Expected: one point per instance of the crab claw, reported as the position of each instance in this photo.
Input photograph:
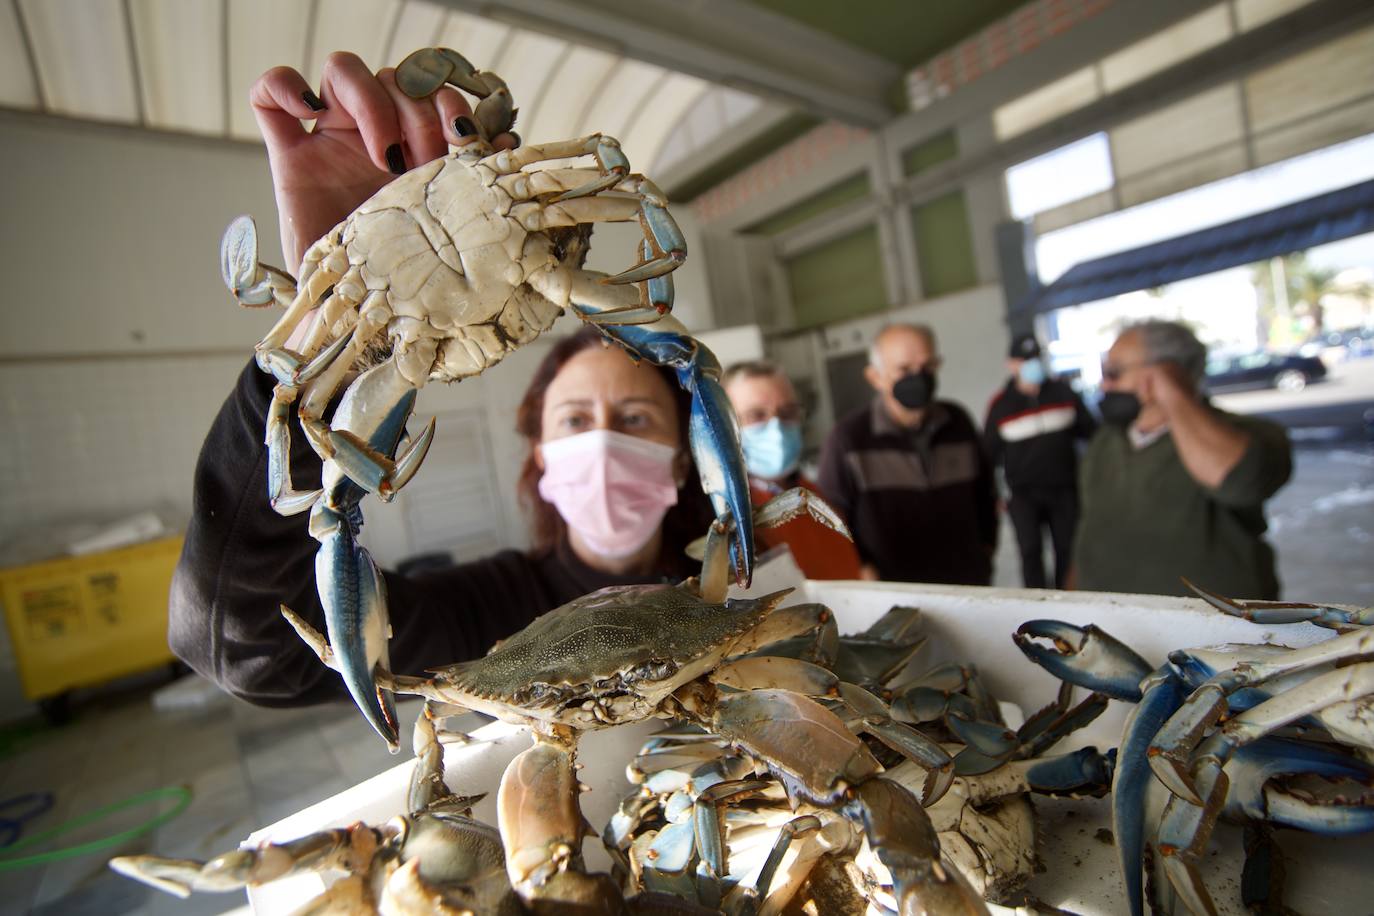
(1301, 785)
(1271, 612)
(1161, 696)
(990, 738)
(1084, 656)
(354, 599)
(424, 71)
(253, 283)
(901, 834)
(1184, 832)
(1085, 771)
(713, 429)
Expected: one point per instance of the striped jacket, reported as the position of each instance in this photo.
(1034, 438)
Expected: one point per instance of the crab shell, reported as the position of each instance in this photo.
(604, 659)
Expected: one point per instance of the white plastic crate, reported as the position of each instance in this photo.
(968, 624)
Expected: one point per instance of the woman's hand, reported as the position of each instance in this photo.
(367, 131)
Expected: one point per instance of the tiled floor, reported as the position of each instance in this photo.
(246, 767)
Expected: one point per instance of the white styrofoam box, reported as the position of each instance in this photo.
(968, 624)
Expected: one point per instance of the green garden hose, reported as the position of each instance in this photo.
(10, 862)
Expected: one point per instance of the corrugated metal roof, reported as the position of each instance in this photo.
(186, 66)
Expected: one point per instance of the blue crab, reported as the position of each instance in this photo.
(437, 277)
(629, 653)
(1241, 768)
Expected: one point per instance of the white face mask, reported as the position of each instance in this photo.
(612, 489)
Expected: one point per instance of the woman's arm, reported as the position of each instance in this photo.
(242, 561)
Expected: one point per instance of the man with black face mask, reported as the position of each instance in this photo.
(908, 471)
(1172, 487)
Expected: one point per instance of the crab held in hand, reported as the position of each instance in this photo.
(439, 276)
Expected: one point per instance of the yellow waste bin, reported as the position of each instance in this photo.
(78, 621)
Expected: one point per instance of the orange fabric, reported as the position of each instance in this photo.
(820, 553)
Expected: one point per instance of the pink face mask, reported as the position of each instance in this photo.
(611, 488)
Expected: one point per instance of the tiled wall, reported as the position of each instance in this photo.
(96, 438)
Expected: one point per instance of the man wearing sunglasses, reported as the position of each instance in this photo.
(1172, 487)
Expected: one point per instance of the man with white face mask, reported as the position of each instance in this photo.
(770, 420)
(1033, 428)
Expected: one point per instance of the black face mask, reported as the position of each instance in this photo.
(1119, 408)
(915, 390)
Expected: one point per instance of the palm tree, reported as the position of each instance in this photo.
(1290, 287)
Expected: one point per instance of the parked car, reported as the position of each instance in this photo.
(1286, 372)
(1348, 343)
(1357, 341)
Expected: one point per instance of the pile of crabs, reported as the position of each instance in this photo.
(807, 772)
(801, 771)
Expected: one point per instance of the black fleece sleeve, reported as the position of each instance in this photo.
(241, 561)
(985, 489)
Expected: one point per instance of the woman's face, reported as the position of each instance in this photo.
(600, 388)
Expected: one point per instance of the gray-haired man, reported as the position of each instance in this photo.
(1171, 486)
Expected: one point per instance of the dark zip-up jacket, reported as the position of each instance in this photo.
(921, 503)
(1034, 437)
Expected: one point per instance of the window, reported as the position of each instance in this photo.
(1051, 101)
(1069, 173)
(851, 189)
(939, 148)
(1166, 48)
(839, 280)
(944, 246)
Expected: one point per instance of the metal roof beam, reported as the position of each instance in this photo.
(729, 42)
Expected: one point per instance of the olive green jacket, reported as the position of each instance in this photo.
(1146, 522)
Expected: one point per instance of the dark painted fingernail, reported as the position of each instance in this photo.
(518, 141)
(464, 127)
(312, 100)
(394, 160)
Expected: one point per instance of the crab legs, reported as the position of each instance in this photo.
(1240, 768)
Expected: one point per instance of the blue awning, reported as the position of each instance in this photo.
(1327, 218)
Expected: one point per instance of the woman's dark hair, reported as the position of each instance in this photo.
(682, 524)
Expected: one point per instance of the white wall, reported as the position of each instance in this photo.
(972, 336)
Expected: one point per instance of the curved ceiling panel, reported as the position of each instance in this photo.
(17, 89)
(188, 65)
(629, 85)
(84, 60)
(661, 112)
(180, 48)
(526, 64)
(361, 26)
(419, 25)
(255, 47)
(572, 88)
(479, 40)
